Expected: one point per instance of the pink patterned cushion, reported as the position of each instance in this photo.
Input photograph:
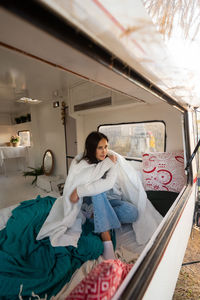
(164, 171)
(102, 282)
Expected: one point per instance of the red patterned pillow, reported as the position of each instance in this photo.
(164, 171)
(102, 282)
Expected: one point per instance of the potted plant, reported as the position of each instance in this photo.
(35, 172)
(28, 117)
(17, 120)
(15, 140)
(23, 119)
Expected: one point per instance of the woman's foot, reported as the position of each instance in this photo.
(108, 252)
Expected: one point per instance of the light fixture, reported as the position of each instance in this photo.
(29, 100)
(56, 104)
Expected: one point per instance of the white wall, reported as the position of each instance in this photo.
(22, 126)
(5, 119)
(48, 133)
(143, 112)
(6, 129)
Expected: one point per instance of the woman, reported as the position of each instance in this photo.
(110, 211)
(118, 197)
(103, 175)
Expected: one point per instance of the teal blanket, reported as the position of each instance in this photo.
(37, 265)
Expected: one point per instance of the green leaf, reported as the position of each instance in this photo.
(36, 172)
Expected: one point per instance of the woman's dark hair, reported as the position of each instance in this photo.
(91, 144)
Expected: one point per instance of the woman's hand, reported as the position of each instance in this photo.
(113, 158)
(74, 196)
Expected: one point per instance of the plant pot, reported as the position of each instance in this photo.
(23, 119)
(18, 120)
(28, 117)
(15, 144)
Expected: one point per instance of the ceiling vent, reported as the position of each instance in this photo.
(93, 104)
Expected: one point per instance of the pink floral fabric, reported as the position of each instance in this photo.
(164, 171)
(102, 282)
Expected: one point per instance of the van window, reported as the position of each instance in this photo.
(24, 138)
(132, 139)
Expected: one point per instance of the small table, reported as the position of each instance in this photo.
(12, 152)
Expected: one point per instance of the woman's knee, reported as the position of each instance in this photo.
(127, 213)
(134, 212)
(99, 196)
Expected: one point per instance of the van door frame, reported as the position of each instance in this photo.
(37, 14)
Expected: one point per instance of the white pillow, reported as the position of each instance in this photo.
(163, 171)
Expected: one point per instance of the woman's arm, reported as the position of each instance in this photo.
(98, 186)
(100, 168)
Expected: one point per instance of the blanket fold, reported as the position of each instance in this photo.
(63, 225)
(37, 265)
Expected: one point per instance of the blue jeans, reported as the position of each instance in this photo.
(111, 214)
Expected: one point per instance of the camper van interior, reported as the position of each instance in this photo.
(52, 97)
(91, 106)
(134, 125)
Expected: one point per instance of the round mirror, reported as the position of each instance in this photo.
(48, 162)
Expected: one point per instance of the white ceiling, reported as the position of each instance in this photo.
(21, 75)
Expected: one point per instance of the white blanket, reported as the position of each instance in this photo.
(64, 222)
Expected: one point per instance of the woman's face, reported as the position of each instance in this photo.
(102, 149)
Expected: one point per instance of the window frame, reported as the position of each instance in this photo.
(25, 130)
(139, 122)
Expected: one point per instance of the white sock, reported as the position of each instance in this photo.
(108, 252)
